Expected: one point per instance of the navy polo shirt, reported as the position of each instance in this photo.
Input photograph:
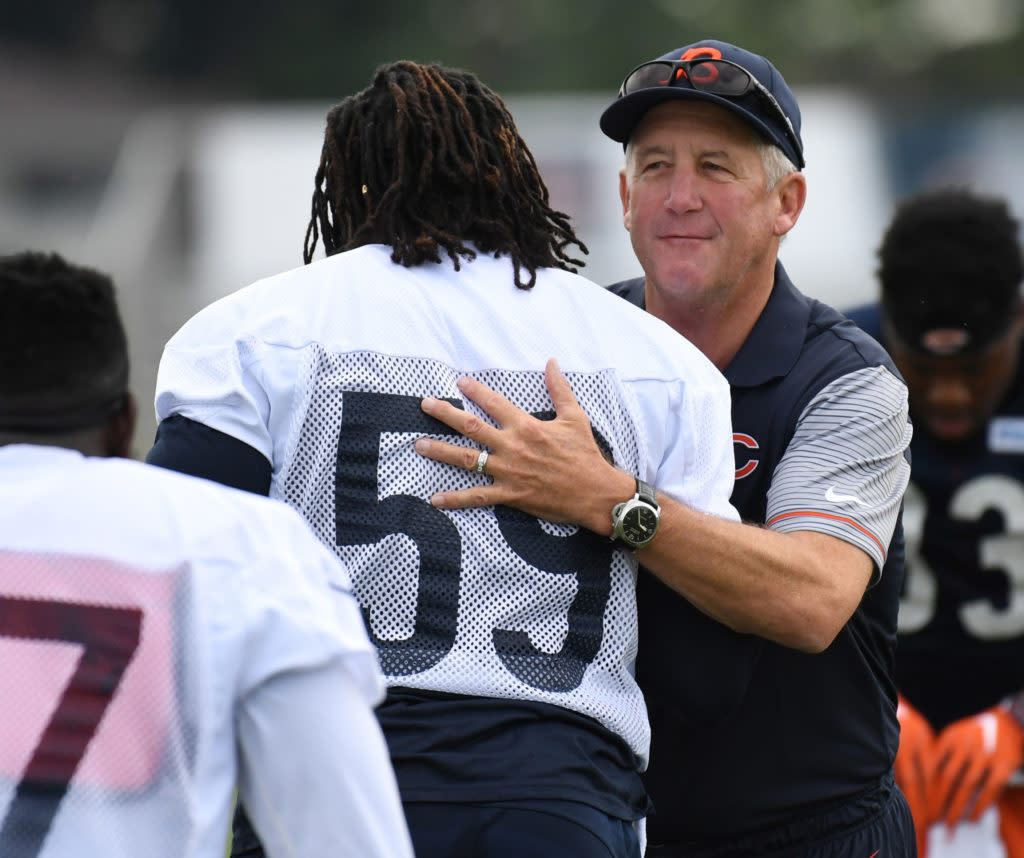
(752, 739)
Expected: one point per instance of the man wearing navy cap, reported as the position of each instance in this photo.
(766, 648)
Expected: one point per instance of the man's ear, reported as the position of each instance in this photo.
(624, 196)
(791, 192)
(120, 429)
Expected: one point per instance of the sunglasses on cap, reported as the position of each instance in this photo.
(717, 77)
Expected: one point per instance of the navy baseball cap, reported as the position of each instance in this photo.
(761, 97)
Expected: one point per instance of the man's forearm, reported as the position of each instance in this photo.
(797, 589)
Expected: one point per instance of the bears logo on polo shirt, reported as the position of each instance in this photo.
(750, 463)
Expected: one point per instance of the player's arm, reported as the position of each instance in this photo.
(315, 774)
(315, 777)
(193, 448)
(214, 398)
(796, 588)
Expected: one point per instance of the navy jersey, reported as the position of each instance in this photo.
(810, 733)
(961, 627)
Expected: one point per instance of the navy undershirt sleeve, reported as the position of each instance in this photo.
(190, 447)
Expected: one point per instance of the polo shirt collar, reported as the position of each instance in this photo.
(777, 338)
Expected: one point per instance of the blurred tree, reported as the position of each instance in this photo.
(322, 49)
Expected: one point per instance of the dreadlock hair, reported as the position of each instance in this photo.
(426, 158)
(951, 258)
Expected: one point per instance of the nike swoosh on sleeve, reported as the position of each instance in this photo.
(833, 496)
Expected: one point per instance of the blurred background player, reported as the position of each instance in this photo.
(162, 639)
(950, 315)
(513, 719)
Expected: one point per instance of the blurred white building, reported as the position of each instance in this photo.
(252, 178)
(183, 205)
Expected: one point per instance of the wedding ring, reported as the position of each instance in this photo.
(481, 461)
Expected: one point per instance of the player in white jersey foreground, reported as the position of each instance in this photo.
(162, 639)
(513, 718)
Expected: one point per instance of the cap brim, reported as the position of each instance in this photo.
(621, 117)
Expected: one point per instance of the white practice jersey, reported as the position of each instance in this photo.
(322, 370)
(162, 640)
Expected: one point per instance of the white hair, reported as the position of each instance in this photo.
(776, 164)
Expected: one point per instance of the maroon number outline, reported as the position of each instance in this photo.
(110, 637)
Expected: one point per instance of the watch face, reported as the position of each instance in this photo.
(639, 524)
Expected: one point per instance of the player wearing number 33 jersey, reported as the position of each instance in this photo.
(951, 315)
(508, 643)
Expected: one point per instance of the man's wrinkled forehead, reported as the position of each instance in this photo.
(677, 122)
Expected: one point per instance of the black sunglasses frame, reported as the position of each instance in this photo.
(673, 67)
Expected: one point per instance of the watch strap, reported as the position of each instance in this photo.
(646, 493)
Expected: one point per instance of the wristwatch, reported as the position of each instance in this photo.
(635, 521)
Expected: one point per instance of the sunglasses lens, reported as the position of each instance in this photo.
(719, 78)
(710, 76)
(647, 76)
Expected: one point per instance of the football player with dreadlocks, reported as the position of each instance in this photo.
(513, 718)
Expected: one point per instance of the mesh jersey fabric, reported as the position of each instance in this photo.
(322, 370)
(150, 626)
